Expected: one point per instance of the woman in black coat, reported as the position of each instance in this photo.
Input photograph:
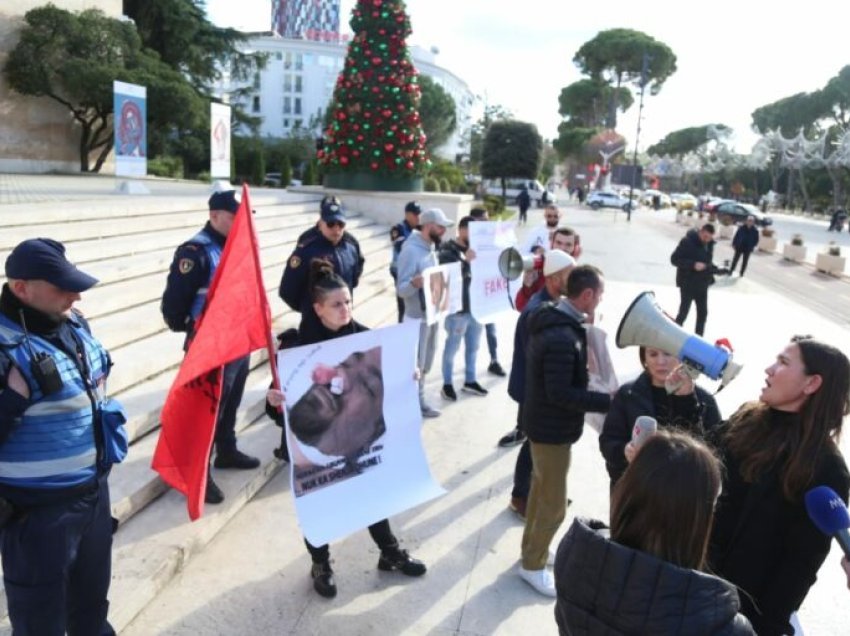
(649, 577)
(332, 304)
(689, 408)
(775, 450)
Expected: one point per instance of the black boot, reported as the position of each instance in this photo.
(323, 579)
(396, 559)
(214, 494)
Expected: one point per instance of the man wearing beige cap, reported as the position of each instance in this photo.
(418, 254)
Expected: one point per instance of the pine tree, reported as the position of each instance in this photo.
(375, 125)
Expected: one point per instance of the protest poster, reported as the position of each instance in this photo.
(353, 428)
(130, 117)
(443, 291)
(489, 292)
(219, 141)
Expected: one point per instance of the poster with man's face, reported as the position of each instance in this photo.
(443, 291)
(353, 429)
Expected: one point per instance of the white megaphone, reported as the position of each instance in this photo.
(646, 325)
(512, 264)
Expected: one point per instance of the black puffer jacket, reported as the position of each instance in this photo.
(607, 589)
(688, 252)
(556, 394)
(696, 413)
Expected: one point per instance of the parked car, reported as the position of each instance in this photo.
(649, 195)
(710, 204)
(684, 201)
(272, 180)
(738, 213)
(540, 196)
(599, 199)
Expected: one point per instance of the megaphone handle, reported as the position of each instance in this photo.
(690, 370)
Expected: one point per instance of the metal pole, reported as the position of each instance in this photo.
(643, 79)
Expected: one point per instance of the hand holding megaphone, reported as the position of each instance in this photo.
(646, 325)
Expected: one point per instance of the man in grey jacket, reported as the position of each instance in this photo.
(417, 254)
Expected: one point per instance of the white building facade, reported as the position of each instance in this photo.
(297, 84)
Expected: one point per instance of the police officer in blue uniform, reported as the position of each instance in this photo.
(56, 536)
(398, 233)
(328, 241)
(184, 301)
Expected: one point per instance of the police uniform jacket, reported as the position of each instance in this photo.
(398, 233)
(345, 256)
(189, 278)
(50, 445)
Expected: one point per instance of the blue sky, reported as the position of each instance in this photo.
(733, 56)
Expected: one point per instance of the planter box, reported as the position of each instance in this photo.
(767, 244)
(829, 264)
(680, 218)
(727, 231)
(796, 253)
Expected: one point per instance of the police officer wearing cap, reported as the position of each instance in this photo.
(329, 241)
(184, 301)
(58, 439)
(398, 233)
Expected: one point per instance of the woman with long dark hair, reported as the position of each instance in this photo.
(649, 576)
(775, 450)
(332, 303)
(688, 407)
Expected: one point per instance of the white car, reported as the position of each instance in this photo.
(599, 199)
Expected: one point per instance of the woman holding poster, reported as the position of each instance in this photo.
(332, 303)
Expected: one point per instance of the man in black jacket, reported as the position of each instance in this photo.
(556, 399)
(745, 241)
(694, 273)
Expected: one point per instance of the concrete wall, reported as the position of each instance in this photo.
(37, 134)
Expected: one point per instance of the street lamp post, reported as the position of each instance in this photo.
(643, 79)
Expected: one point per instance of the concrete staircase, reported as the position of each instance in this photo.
(128, 244)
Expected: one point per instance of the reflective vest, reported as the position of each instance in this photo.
(213, 251)
(52, 445)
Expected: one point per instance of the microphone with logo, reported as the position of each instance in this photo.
(644, 428)
(828, 512)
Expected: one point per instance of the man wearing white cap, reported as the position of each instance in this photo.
(417, 254)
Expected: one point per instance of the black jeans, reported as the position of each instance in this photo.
(698, 295)
(232, 388)
(381, 533)
(524, 465)
(57, 566)
(746, 259)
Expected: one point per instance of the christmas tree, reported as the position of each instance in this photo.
(375, 128)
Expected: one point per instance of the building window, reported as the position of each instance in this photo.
(297, 123)
(287, 105)
(287, 83)
(255, 107)
(287, 62)
(297, 105)
(297, 83)
(286, 122)
(278, 56)
(257, 81)
(299, 62)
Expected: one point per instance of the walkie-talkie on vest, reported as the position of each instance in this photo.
(42, 366)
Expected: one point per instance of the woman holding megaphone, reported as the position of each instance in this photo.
(775, 450)
(662, 391)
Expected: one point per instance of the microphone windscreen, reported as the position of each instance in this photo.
(826, 510)
(644, 428)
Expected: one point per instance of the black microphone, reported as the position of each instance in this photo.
(828, 512)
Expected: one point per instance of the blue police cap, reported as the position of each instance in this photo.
(414, 207)
(224, 200)
(332, 210)
(44, 259)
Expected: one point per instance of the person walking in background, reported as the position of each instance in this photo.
(746, 239)
(183, 303)
(694, 273)
(461, 326)
(398, 235)
(332, 305)
(556, 399)
(56, 431)
(774, 451)
(418, 254)
(689, 408)
(650, 576)
(327, 240)
(523, 201)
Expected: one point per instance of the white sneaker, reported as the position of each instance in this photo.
(540, 580)
(550, 560)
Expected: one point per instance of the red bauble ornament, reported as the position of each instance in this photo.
(376, 60)
(343, 160)
(374, 165)
(386, 112)
(409, 165)
(389, 147)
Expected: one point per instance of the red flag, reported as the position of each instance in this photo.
(235, 322)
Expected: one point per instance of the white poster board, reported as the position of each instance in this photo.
(443, 291)
(353, 428)
(130, 129)
(489, 292)
(219, 141)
